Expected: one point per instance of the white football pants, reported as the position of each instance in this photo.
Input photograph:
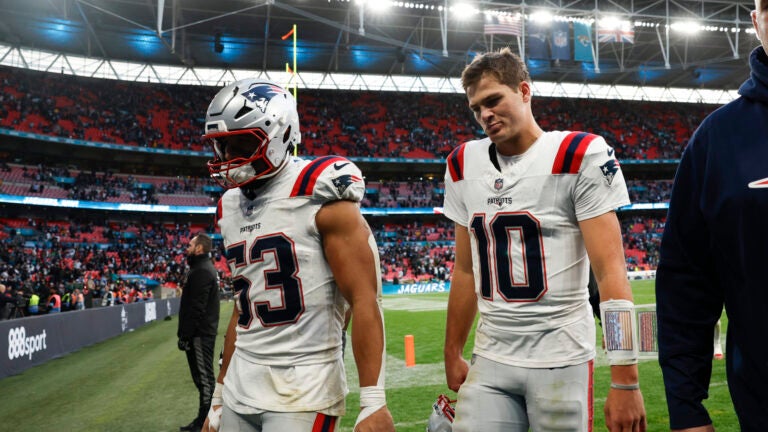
(499, 397)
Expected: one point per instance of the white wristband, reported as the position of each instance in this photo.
(372, 398)
(619, 331)
(216, 398)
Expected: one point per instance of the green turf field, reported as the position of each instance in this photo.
(140, 381)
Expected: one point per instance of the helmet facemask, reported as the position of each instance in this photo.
(252, 127)
(234, 164)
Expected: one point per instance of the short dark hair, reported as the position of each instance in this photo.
(205, 241)
(504, 65)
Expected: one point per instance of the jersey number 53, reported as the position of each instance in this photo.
(282, 277)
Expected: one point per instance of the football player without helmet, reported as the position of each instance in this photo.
(441, 418)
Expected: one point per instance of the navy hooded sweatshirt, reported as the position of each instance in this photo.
(714, 252)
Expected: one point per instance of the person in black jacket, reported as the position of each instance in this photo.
(198, 322)
(713, 254)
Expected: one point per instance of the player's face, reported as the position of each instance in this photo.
(760, 21)
(239, 145)
(502, 112)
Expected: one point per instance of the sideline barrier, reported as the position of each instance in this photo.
(438, 287)
(30, 341)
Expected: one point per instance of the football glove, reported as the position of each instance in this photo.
(184, 344)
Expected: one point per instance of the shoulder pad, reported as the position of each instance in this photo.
(571, 152)
(218, 211)
(330, 178)
(455, 163)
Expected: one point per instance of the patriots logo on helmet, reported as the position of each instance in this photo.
(342, 182)
(260, 94)
(609, 170)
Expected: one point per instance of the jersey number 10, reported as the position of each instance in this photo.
(498, 256)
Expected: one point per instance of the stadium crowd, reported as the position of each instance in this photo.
(61, 182)
(377, 124)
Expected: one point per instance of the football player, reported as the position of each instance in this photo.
(533, 210)
(713, 254)
(300, 252)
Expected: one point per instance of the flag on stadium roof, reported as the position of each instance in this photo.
(508, 25)
(561, 43)
(538, 41)
(582, 41)
(623, 35)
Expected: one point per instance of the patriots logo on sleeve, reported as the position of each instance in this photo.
(342, 182)
(260, 94)
(609, 170)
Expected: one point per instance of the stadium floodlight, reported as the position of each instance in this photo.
(542, 16)
(687, 27)
(464, 11)
(375, 6)
(613, 23)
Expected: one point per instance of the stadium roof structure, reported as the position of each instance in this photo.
(418, 44)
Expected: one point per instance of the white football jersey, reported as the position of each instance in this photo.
(530, 266)
(291, 312)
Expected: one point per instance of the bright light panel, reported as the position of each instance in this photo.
(464, 10)
(688, 27)
(542, 16)
(613, 23)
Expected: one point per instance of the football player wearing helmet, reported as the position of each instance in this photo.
(533, 210)
(300, 253)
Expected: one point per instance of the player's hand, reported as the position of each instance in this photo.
(625, 411)
(380, 421)
(456, 370)
(184, 344)
(213, 421)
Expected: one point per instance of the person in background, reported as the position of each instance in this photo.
(78, 300)
(6, 302)
(54, 301)
(199, 323)
(33, 307)
(88, 293)
(714, 252)
(533, 210)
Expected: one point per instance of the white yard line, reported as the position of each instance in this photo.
(413, 303)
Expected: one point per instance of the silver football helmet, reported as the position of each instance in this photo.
(441, 419)
(252, 126)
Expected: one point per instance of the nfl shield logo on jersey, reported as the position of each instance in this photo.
(498, 184)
